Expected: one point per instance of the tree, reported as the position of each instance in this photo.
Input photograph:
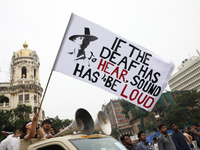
(126, 107)
(15, 117)
(186, 111)
(135, 112)
(152, 124)
(158, 107)
(115, 134)
(175, 116)
(4, 118)
(58, 123)
(188, 99)
(21, 114)
(66, 122)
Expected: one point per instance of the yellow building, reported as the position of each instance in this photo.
(24, 86)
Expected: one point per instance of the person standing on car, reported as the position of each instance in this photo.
(10, 142)
(46, 126)
(31, 129)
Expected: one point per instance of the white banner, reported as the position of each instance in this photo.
(95, 55)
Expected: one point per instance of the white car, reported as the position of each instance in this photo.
(65, 140)
(74, 142)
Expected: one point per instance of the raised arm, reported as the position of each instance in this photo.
(33, 128)
(39, 131)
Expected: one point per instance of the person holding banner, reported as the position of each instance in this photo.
(31, 129)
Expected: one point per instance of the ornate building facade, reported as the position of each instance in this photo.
(24, 86)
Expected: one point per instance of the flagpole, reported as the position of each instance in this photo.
(45, 91)
(54, 64)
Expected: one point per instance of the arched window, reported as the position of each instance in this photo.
(4, 99)
(23, 72)
(34, 72)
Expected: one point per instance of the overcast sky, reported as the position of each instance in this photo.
(171, 29)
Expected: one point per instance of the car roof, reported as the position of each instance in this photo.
(63, 139)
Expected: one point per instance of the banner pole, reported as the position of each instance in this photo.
(54, 64)
(45, 91)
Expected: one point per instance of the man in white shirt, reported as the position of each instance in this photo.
(46, 126)
(155, 145)
(11, 142)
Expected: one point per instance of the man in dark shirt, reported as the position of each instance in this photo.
(142, 145)
(164, 140)
(178, 138)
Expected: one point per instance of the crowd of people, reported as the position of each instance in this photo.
(188, 139)
(29, 130)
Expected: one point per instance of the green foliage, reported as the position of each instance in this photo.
(188, 99)
(21, 114)
(66, 122)
(187, 109)
(135, 111)
(35, 109)
(152, 124)
(115, 134)
(150, 127)
(185, 112)
(126, 107)
(175, 116)
(15, 117)
(4, 118)
(58, 123)
(158, 107)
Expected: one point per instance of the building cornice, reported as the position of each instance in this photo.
(22, 87)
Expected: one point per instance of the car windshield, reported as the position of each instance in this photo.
(103, 143)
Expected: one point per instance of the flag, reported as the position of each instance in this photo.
(95, 55)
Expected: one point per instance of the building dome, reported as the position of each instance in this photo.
(24, 86)
(24, 52)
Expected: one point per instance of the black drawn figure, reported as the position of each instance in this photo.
(82, 41)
